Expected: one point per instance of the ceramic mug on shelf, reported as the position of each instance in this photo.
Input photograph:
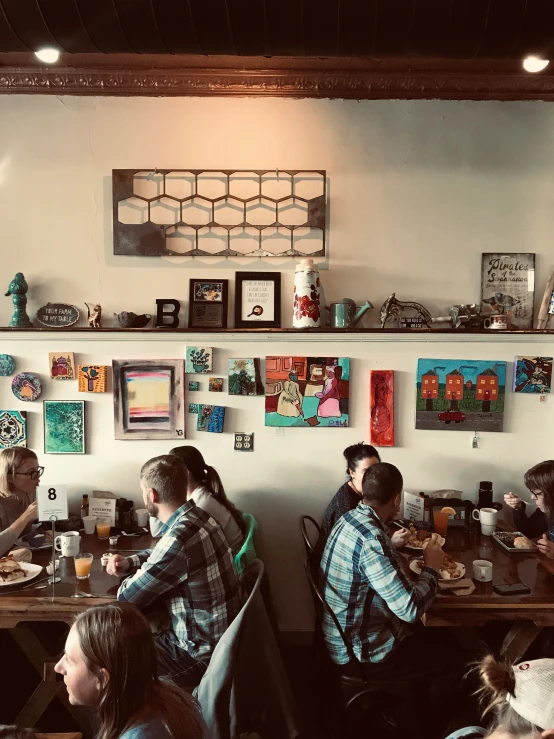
(498, 322)
(68, 543)
(487, 517)
(482, 570)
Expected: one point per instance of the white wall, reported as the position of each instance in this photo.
(417, 191)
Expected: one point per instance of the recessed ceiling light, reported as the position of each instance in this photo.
(48, 55)
(535, 64)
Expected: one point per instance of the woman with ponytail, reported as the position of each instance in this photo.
(521, 697)
(207, 491)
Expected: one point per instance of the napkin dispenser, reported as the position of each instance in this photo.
(463, 508)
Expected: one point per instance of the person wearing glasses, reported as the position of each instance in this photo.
(539, 480)
(19, 478)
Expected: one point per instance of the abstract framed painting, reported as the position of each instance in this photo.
(149, 398)
(532, 375)
(381, 407)
(307, 391)
(13, 429)
(460, 395)
(64, 426)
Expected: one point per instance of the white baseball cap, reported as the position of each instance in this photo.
(533, 697)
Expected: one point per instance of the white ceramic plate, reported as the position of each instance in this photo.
(31, 571)
(414, 567)
(420, 549)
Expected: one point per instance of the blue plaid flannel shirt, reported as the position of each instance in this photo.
(364, 583)
(191, 573)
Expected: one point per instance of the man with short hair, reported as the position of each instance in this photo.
(376, 603)
(190, 574)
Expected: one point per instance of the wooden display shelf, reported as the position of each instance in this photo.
(278, 335)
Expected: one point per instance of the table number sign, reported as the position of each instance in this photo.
(414, 507)
(52, 503)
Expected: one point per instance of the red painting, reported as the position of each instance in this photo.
(381, 407)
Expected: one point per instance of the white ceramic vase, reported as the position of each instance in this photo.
(307, 295)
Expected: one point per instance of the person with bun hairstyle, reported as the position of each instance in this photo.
(110, 664)
(539, 480)
(521, 697)
(359, 458)
(206, 490)
(19, 478)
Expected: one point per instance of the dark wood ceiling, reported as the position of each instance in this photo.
(467, 38)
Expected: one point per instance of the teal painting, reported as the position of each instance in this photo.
(64, 427)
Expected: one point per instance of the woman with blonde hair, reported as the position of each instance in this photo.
(110, 664)
(520, 696)
(19, 478)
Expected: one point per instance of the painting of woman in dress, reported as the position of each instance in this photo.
(290, 399)
(328, 406)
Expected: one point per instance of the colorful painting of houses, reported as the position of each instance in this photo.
(460, 395)
(307, 391)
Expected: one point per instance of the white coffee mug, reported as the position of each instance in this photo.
(482, 570)
(68, 543)
(89, 524)
(142, 516)
(498, 322)
(488, 518)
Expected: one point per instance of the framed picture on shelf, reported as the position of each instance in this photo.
(208, 303)
(508, 288)
(258, 300)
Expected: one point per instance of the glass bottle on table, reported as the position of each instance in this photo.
(84, 506)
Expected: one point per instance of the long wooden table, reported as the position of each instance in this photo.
(54, 603)
(531, 613)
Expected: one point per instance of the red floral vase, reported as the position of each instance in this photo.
(307, 297)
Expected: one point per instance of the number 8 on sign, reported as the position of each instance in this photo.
(52, 503)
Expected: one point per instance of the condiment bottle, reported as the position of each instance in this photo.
(426, 507)
(84, 506)
(485, 494)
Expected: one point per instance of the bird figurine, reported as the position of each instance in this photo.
(128, 319)
(18, 290)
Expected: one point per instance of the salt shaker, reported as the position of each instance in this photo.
(307, 295)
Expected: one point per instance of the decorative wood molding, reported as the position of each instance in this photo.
(460, 82)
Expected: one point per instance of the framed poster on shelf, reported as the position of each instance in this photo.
(258, 300)
(208, 303)
(508, 288)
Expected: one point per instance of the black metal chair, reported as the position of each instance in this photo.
(370, 704)
(310, 548)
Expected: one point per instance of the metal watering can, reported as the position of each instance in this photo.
(346, 313)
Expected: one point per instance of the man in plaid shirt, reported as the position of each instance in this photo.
(190, 574)
(377, 605)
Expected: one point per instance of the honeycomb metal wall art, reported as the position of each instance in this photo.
(205, 212)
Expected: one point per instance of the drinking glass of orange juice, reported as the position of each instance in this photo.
(103, 530)
(83, 564)
(440, 520)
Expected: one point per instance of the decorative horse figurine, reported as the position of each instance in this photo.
(391, 309)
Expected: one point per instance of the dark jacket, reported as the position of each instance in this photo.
(344, 500)
(535, 525)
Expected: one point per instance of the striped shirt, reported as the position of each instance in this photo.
(363, 581)
(190, 572)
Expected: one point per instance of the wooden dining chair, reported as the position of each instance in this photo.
(310, 547)
(371, 704)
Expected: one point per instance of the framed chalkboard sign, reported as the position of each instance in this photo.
(57, 315)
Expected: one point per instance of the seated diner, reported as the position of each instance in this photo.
(19, 478)
(539, 480)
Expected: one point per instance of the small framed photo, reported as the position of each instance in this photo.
(258, 300)
(208, 303)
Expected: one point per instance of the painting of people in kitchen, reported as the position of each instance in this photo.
(307, 391)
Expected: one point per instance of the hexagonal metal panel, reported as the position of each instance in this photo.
(229, 212)
(180, 239)
(276, 185)
(276, 241)
(309, 185)
(244, 240)
(196, 212)
(213, 239)
(308, 241)
(165, 211)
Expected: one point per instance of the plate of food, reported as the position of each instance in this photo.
(419, 539)
(12, 572)
(451, 570)
(514, 541)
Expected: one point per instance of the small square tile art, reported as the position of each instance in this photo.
(198, 359)
(194, 386)
(244, 442)
(532, 375)
(13, 429)
(216, 385)
(211, 418)
(194, 408)
(91, 378)
(62, 365)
